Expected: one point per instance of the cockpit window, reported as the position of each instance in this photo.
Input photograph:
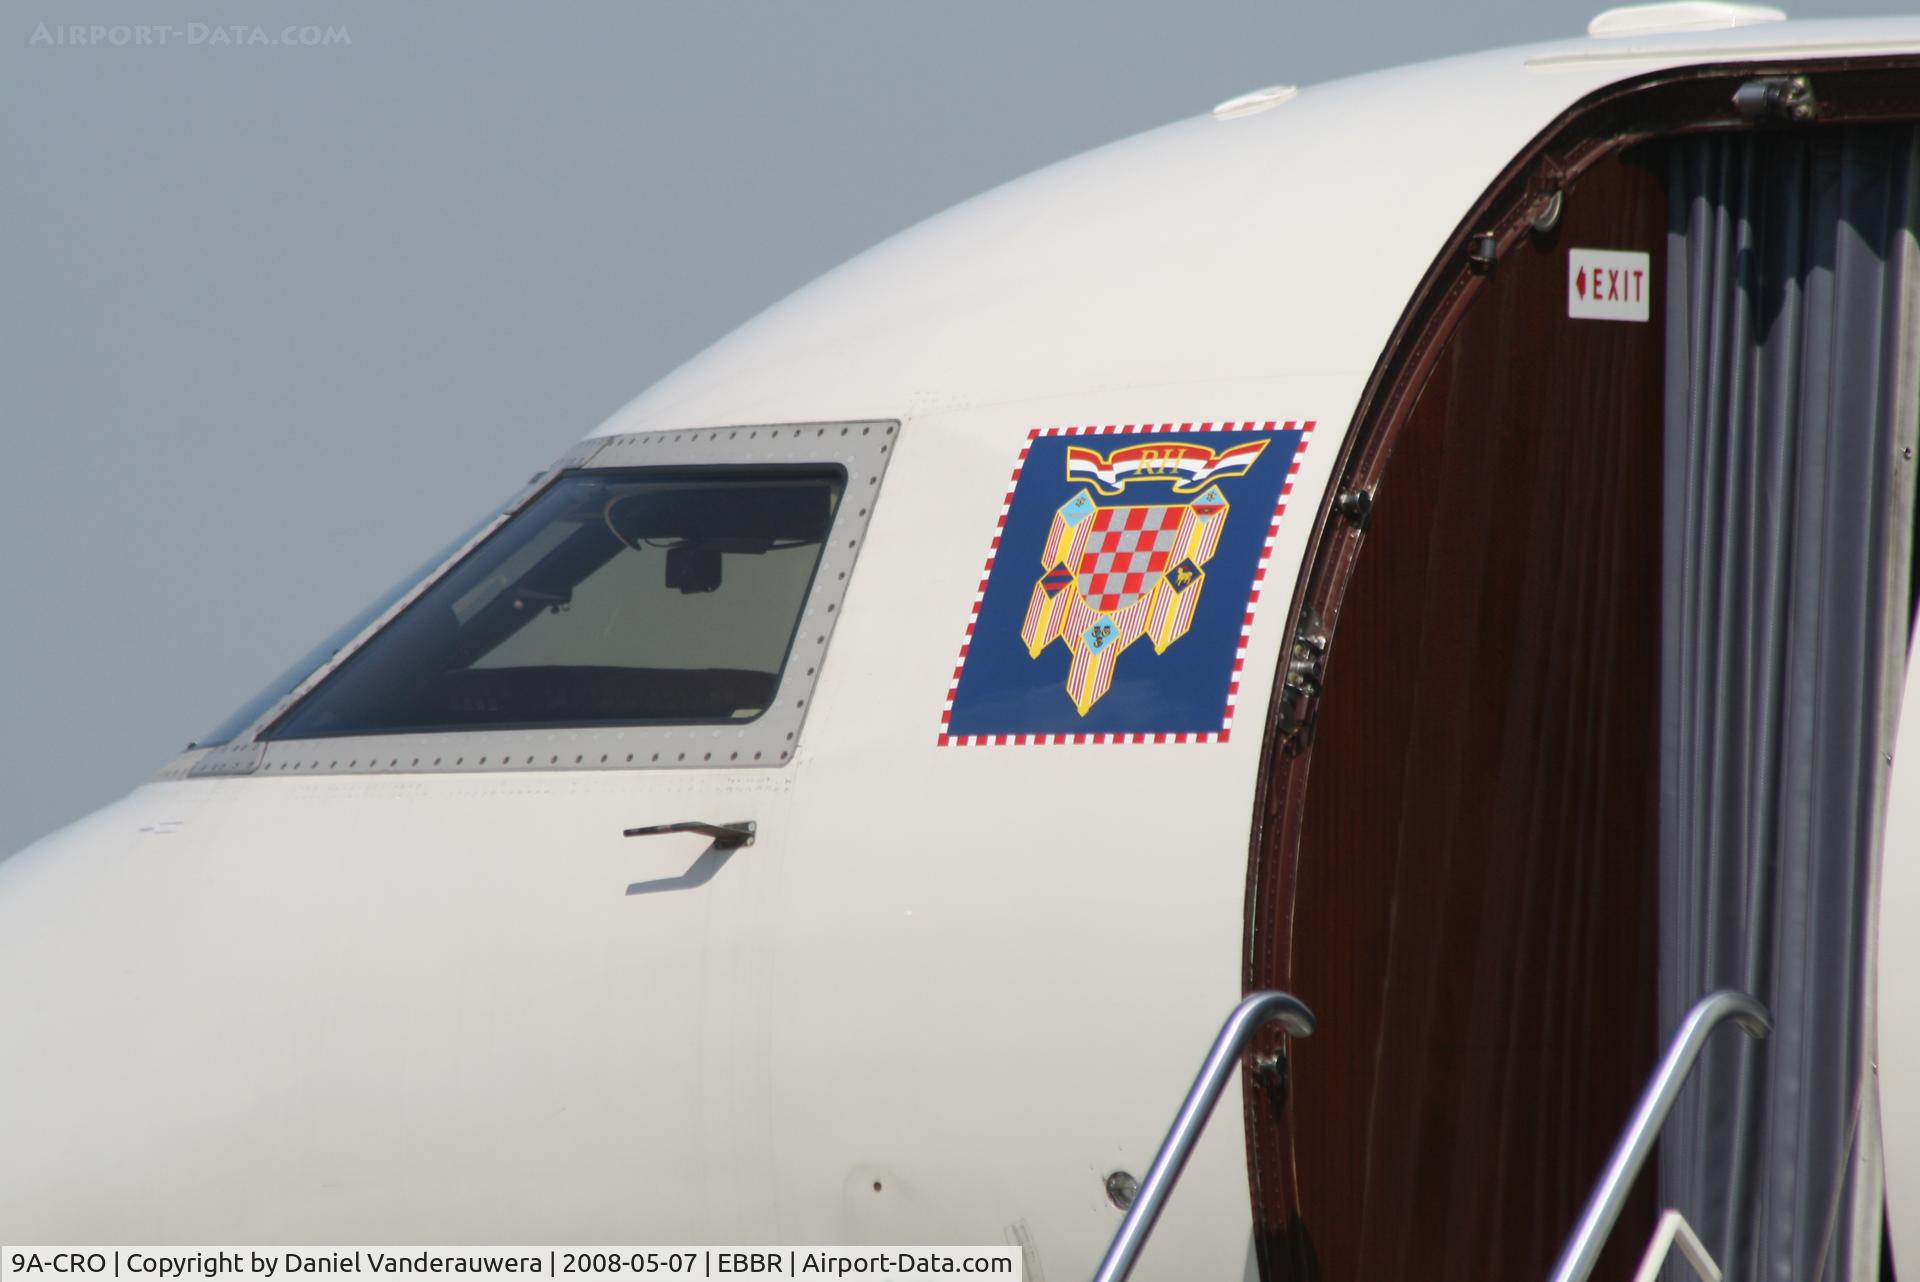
(618, 596)
(311, 662)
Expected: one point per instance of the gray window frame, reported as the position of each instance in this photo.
(863, 448)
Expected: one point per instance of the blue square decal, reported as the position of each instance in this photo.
(1120, 591)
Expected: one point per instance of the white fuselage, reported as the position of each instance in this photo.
(948, 990)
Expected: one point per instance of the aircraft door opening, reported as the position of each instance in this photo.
(1604, 726)
(1472, 907)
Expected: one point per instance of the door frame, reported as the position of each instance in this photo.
(1848, 90)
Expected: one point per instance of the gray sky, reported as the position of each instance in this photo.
(276, 322)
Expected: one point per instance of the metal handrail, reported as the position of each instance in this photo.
(1248, 1017)
(1636, 1142)
(1673, 1230)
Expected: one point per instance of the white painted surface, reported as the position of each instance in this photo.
(1609, 284)
(1899, 985)
(422, 1008)
(1206, 256)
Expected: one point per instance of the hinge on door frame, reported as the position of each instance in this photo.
(1273, 1075)
(1306, 665)
(1783, 100)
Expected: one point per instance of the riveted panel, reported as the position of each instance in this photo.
(862, 449)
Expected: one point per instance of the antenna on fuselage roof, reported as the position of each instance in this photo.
(1680, 15)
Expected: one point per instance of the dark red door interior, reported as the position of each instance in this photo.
(1472, 909)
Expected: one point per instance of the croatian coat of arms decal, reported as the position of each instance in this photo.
(1119, 594)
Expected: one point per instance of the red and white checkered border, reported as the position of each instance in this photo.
(948, 740)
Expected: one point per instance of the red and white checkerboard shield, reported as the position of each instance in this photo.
(1125, 550)
(1116, 574)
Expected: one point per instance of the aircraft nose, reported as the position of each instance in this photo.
(241, 1010)
(115, 1022)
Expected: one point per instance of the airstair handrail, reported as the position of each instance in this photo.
(1257, 1010)
(1609, 1196)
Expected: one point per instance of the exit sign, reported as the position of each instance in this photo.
(1608, 284)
